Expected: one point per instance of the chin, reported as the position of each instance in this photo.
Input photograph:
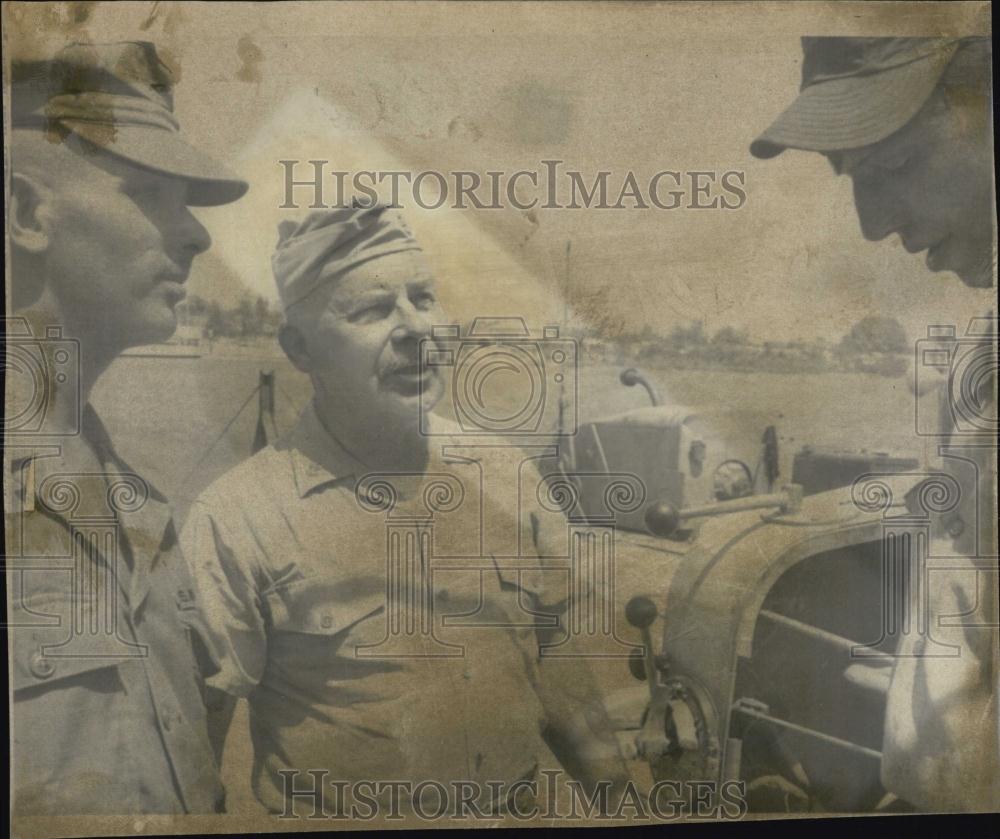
(403, 411)
(156, 330)
(981, 278)
(401, 417)
(417, 403)
(431, 396)
(974, 258)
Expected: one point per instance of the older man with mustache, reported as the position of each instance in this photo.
(300, 589)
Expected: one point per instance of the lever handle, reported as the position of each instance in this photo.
(663, 519)
(630, 377)
(641, 612)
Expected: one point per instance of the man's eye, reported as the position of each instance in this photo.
(376, 311)
(143, 194)
(896, 164)
(424, 300)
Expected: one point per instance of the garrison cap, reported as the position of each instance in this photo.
(119, 98)
(327, 244)
(858, 91)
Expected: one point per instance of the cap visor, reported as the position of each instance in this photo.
(854, 111)
(211, 183)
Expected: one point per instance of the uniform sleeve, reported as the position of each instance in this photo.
(550, 538)
(223, 567)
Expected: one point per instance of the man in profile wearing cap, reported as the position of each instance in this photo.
(291, 560)
(107, 653)
(909, 121)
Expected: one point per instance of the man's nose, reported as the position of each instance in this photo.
(190, 234)
(413, 322)
(876, 209)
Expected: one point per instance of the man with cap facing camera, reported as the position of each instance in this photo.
(107, 712)
(909, 121)
(292, 563)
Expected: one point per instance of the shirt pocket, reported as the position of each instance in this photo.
(72, 714)
(316, 606)
(33, 668)
(47, 655)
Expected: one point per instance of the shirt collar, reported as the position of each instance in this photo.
(317, 456)
(89, 451)
(319, 459)
(100, 488)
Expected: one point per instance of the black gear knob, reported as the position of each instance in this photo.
(640, 612)
(662, 519)
(629, 377)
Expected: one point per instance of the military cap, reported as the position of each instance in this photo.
(326, 244)
(118, 97)
(858, 91)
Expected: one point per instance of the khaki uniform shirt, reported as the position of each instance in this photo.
(351, 664)
(105, 643)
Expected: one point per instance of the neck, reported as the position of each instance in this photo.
(383, 443)
(69, 383)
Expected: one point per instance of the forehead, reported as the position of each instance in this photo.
(392, 272)
(133, 175)
(921, 131)
(82, 161)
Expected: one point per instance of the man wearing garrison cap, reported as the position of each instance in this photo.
(909, 121)
(292, 561)
(107, 651)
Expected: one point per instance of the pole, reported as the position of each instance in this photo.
(266, 431)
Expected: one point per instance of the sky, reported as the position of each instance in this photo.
(619, 87)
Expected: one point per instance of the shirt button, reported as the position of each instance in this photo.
(40, 666)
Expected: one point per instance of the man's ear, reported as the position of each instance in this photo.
(293, 342)
(28, 216)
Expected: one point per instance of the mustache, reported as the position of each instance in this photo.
(405, 363)
(406, 357)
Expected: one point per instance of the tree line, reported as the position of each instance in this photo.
(249, 317)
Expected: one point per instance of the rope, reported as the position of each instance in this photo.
(287, 399)
(222, 434)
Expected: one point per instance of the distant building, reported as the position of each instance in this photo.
(187, 335)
